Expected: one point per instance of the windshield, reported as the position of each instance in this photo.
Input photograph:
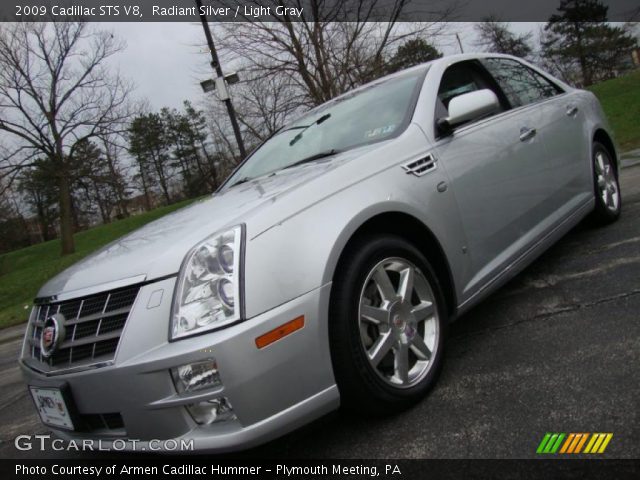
(374, 113)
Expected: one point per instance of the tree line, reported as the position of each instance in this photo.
(577, 44)
(164, 156)
(78, 148)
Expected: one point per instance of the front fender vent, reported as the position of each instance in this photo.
(421, 166)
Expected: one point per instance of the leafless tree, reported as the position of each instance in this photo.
(56, 90)
(334, 46)
(496, 36)
(264, 104)
(289, 66)
(224, 159)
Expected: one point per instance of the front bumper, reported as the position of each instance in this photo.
(272, 390)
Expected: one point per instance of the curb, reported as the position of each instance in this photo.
(12, 333)
(630, 158)
(630, 162)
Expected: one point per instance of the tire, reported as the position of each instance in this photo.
(369, 316)
(606, 187)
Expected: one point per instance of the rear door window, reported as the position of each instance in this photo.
(520, 84)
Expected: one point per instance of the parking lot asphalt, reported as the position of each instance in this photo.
(555, 350)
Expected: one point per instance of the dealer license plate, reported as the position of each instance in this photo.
(52, 407)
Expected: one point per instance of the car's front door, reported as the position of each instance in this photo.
(499, 173)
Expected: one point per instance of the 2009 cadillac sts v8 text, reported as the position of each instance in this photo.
(326, 268)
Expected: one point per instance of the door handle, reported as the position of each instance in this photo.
(572, 110)
(526, 133)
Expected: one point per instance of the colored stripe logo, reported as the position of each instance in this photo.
(554, 443)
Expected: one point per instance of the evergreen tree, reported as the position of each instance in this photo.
(579, 38)
(40, 193)
(412, 52)
(150, 145)
(197, 132)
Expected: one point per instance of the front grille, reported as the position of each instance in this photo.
(92, 324)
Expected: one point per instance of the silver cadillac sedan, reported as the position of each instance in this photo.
(325, 270)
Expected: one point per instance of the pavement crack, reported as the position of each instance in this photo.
(549, 314)
(12, 398)
(542, 281)
(552, 280)
(612, 245)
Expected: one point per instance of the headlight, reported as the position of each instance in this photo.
(207, 295)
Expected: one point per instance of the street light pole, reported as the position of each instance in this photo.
(216, 64)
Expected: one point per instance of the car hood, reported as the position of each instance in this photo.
(157, 249)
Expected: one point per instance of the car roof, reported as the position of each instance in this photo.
(445, 59)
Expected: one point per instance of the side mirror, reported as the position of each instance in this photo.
(469, 106)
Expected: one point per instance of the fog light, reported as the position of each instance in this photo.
(196, 376)
(212, 411)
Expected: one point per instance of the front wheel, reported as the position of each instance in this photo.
(606, 186)
(387, 326)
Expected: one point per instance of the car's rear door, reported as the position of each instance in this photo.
(561, 128)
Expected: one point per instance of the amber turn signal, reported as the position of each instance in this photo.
(280, 332)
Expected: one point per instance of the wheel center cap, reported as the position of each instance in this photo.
(398, 321)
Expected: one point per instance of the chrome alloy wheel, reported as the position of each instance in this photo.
(606, 182)
(398, 320)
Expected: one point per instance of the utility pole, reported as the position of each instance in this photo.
(216, 65)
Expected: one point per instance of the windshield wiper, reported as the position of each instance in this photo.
(240, 181)
(314, 157)
(311, 158)
(295, 139)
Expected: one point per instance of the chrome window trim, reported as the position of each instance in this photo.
(484, 121)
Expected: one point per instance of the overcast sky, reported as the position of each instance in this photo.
(167, 60)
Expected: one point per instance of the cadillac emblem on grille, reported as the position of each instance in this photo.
(52, 334)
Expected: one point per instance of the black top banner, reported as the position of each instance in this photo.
(296, 10)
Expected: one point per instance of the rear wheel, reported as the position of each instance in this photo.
(606, 186)
(387, 326)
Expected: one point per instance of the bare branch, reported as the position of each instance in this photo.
(56, 93)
